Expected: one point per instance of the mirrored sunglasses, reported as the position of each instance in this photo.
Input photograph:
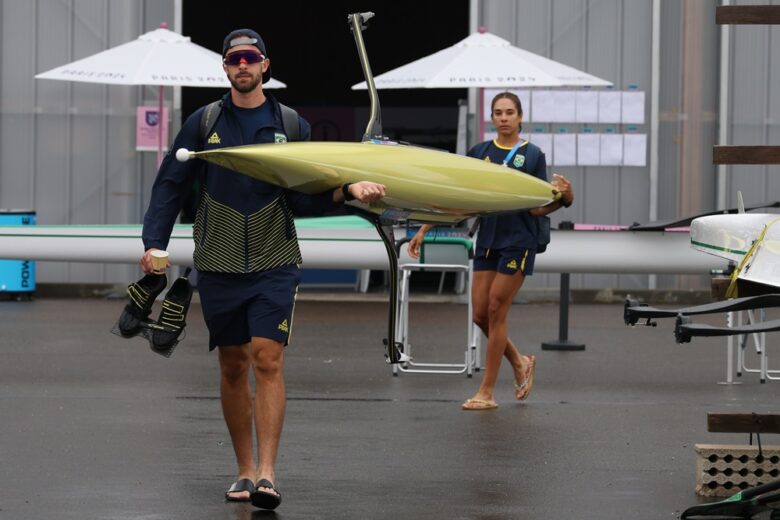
(250, 57)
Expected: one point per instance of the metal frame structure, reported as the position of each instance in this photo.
(473, 352)
(685, 329)
(759, 343)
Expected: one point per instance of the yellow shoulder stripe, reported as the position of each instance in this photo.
(508, 147)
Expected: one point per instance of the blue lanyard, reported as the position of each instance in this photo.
(517, 145)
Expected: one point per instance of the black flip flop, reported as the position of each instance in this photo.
(244, 484)
(265, 499)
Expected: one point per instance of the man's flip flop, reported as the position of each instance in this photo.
(523, 389)
(478, 405)
(265, 499)
(244, 484)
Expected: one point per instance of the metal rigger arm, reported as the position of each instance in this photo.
(357, 23)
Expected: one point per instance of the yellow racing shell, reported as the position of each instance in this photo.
(421, 183)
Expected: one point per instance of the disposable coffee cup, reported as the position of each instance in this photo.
(159, 261)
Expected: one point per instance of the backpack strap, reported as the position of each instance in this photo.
(290, 123)
(213, 110)
(474, 227)
(481, 148)
(209, 118)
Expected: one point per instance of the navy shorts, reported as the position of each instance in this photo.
(507, 261)
(238, 307)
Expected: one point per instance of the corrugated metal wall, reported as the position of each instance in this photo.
(754, 106)
(67, 149)
(612, 39)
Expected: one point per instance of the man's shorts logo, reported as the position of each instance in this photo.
(284, 327)
(512, 264)
(280, 138)
(214, 139)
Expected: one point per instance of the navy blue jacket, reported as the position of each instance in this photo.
(519, 228)
(237, 228)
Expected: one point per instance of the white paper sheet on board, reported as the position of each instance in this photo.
(635, 150)
(543, 106)
(564, 106)
(545, 142)
(609, 107)
(565, 146)
(525, 101)
(611, 149)
(587, 107)
(633, 108)
(588, 149)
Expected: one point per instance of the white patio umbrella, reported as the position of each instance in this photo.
(483, 60)
(159, 58)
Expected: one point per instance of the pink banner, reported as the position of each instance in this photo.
(613, 227)
(598, 227)
(147, 129)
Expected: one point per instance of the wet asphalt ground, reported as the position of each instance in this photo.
(94, 426)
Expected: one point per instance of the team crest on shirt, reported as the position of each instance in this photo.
(519, 161)
(280, 138)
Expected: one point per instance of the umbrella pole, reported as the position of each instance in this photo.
(480, 114)
(159, 126)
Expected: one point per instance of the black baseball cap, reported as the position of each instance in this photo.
(246, 37)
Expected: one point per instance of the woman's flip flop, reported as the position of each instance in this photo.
(523, 389)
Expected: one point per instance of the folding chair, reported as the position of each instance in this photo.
(440, 254)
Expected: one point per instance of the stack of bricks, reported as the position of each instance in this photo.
(722, 469)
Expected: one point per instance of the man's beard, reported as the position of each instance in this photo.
(247, 87)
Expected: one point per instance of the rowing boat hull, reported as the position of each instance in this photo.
(421, 183)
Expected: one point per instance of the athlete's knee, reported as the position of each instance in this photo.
(497, 308)
(233, 364)
(267, 357)
(480, 318)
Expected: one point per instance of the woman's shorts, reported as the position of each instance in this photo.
(238, 307)
(509, 260)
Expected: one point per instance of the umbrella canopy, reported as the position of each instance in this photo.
(483, 60)
(160, 57)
